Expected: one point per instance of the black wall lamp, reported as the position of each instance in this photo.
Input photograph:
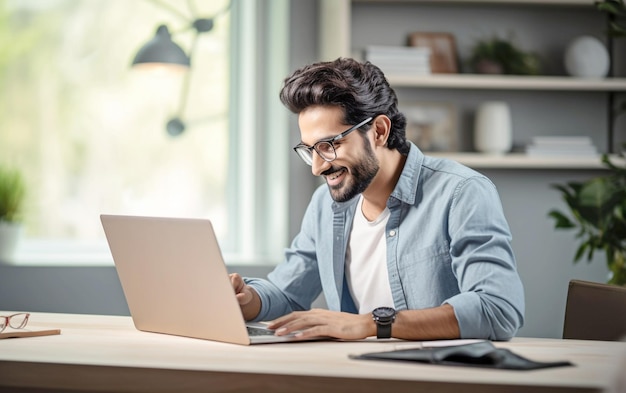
(162, 51)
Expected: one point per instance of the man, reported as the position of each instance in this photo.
(402, 245)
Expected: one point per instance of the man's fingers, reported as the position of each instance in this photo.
(237, 282)
(321, 323)
(298, 321)
(243, 297)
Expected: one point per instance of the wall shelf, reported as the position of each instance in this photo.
(523, 161)
(342, 33)
(538, 2)
(507, 82)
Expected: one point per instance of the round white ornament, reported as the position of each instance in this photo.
(587, 57)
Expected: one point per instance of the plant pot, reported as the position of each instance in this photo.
(488, 67)
(10, 234)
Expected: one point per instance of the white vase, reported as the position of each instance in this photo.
(586, 57)
(493, 133)
(9, 237)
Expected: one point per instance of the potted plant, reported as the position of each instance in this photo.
(597, 210)
(500, 56)
(12, 195)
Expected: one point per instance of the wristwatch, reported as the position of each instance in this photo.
(384, 317)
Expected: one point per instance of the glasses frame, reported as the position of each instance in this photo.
(306, 152)
(7, 321)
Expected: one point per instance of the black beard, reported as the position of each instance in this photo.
(362, 175)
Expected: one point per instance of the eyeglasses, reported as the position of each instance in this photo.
(16, 321)
(325, 147)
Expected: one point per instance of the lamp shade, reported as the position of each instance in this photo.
(161, 49)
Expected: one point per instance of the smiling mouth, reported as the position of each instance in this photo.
(336, 178)
(335, 175)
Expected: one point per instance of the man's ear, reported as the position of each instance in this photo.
(382, 128)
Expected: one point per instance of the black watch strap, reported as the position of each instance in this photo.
(383, 330)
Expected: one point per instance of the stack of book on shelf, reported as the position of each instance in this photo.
(405, 60)
(547, 146)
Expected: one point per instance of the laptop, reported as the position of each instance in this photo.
(175, 280)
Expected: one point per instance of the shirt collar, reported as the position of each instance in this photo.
(406, 188)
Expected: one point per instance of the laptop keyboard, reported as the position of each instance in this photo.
(257, 331)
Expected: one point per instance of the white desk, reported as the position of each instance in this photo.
(106, 354)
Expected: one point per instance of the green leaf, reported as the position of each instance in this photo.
(563, 188)
(613, 7)
(618, 173)
(597, 192)
(562, 221)
(597, 199)
(591, 248)
(617, 30)
(569, 193)
(580, 251)
(610, 256)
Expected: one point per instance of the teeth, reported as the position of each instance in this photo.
(336, 174)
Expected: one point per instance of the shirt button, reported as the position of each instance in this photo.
(392, 233)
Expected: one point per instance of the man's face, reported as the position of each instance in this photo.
(356, 164)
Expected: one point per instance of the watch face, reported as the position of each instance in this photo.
(384, 312)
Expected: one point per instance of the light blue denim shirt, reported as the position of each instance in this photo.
(447, 242)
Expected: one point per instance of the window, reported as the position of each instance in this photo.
(89, 132)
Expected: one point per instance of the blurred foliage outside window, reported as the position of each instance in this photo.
(88, 131)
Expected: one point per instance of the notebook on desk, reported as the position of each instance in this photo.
(175, 280)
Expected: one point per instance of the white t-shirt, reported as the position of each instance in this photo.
(366, 262)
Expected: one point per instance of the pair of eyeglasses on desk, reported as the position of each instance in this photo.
(15, 321)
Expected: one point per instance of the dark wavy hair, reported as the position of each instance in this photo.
(361, 89)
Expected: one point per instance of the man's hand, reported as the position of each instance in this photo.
(426, 324)
(246, 296)
(325, 323)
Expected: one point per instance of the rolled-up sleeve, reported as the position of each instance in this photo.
(490, 304)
